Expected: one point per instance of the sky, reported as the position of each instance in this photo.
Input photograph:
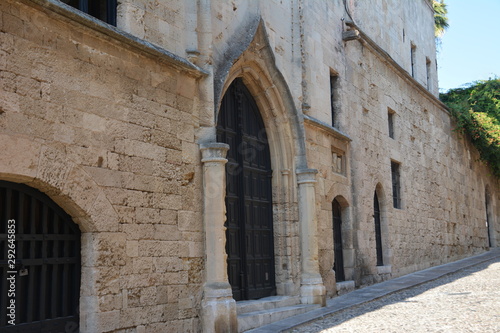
(470, 48)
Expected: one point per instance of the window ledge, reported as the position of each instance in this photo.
(109, 32)
(330, 129)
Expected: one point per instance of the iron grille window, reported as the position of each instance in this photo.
(396, 185)
(104, 10)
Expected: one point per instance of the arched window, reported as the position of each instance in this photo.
(42, 265)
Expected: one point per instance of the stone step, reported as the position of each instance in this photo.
(266, 303)
(251, 320)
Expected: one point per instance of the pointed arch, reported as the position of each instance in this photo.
(255, 67)
(338, 246)
(249, 216)
(48, 169)
(490, 224)
(381, 229)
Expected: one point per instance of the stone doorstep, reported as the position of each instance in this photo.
(251, 320)
(345, 287)
(266, 303)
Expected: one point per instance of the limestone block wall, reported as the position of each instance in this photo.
(107, 130)
(443, 212)
(166, 23)
(334, 178)
(395, 26)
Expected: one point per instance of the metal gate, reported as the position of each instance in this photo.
(41, 276)
(249, 221)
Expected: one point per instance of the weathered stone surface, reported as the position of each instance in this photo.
(111, 132)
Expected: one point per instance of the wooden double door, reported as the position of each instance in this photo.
(249, 223)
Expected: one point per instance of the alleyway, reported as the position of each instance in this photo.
(465, 301)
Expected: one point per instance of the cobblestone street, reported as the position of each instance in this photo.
(465, 301)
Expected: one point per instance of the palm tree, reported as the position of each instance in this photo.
(440, 17)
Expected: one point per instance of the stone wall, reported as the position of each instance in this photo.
(108, 132)
(443, 183)
(107, 120)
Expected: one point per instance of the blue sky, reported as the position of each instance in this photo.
(470, 48)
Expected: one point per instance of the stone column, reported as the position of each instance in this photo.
(218, 306)
(312, 289)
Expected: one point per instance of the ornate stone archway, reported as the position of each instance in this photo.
(297, 273)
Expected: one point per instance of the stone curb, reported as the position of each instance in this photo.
(379, 290)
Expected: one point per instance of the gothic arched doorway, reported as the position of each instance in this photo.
(43, 264)
(249, 223)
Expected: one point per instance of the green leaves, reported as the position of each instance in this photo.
(477, 112)
(440, 17)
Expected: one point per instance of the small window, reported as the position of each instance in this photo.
(334, 97)
(428, 68)
(390, 121)
(396, 184)
(413, 61)
(338, 162)
(104, 10)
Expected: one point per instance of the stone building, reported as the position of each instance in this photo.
(170, 165)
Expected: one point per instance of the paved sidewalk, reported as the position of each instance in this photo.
(374, 292)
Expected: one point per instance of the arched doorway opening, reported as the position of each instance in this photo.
(489, 218)
(338, 264)
(378, 230)
(249, 218)
(45, 264)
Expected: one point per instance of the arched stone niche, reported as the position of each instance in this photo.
(47, 168)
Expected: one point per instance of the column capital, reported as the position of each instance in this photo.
(305, 176)
(214, 152)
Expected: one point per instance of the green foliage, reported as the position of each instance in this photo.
(440, 17)
(477, 111)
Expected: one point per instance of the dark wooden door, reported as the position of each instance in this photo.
(46, 270)
(378, 231)
(338, 265)
(249, 233)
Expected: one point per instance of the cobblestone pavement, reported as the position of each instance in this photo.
(465, 301)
